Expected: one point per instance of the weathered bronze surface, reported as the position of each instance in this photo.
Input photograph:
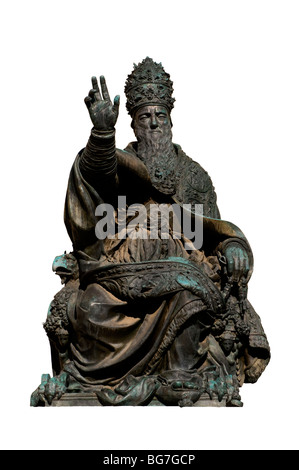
(144, 318)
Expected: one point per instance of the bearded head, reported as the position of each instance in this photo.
(149, 102)
(152, 127)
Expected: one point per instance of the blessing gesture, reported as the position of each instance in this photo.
(102, 112)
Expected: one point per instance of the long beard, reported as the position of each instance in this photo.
(159, 156)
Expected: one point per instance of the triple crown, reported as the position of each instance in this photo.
(148, 84)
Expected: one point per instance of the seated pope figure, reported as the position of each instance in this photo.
(152, 308)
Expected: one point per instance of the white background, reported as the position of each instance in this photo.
(235, 70)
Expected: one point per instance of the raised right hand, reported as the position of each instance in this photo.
(102, 112)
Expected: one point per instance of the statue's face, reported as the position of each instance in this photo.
(227, 345)
(63, 337)
(154, 120)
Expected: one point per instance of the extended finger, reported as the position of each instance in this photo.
(236, 269)
(243, 264)
(95, 86)
(246, 267)
(230, 265)
(105, 92)
(116, 104)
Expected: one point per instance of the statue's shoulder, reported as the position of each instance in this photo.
(195, 185)
(130, 166)
(128, 154)
(192, 173)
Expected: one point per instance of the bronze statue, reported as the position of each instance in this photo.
(148, 316)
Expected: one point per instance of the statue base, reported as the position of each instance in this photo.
(90, 399)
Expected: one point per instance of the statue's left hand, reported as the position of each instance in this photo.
(237, 262)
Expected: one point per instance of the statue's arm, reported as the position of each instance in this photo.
(210, 208)
(98, 163)
(234, 249)
(214, 210)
